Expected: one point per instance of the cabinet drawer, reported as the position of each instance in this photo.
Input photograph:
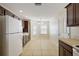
(66, 46)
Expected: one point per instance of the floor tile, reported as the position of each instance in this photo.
(41, 46)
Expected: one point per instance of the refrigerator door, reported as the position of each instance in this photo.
(18, 44)
(12, 35)
(9, 25)
(13, 44)
(19, 26)
(13, 25)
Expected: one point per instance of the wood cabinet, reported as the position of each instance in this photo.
(61, 50)
(77, 13)
(67, 53)
(72, 14)
(25, 39)
(25, 29)
(1, 11)
(4, 11)
(9, 13)
(64, 49)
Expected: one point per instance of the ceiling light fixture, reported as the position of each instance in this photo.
(21, 11)
(38, 4)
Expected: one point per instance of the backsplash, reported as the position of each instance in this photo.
(75, 32)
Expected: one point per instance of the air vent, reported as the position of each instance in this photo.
(38, 4)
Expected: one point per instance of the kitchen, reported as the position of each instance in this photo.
(62, 28)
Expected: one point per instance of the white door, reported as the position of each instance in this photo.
(35, 28)
(44, 27)
(40, 27)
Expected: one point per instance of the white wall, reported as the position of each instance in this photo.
(37, 27)
(64, 30)
(52, 27)
(62, 26)
(75, 32)
(58, 27)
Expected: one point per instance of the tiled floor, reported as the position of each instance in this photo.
(40, 46)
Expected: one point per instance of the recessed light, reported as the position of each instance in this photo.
(38, 4)
(20, 10)
(25, 16)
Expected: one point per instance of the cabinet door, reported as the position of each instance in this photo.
(77, 14)
(1, 11)
(61, 51)
(70, 15)
(25, 26)
(9, 13)
(64, 49)
(67, 53)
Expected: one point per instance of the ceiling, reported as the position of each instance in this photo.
(46, 10)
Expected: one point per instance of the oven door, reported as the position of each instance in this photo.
(75, 52)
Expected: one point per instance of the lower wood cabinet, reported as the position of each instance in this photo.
(64, 49)
(61, 51)
(67, 53)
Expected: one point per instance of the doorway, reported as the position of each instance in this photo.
(40, 28)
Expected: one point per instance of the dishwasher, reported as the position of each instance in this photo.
(76, 51)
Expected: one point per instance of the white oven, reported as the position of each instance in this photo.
(75, 52)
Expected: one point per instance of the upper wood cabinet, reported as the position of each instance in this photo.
(9, 13)
(72, 14)
(4, 11)
(77, 14)
(1, 11)
(25, 29)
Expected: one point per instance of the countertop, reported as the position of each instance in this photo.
(71, 42)
(25, 33)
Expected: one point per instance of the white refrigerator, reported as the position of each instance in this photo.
(10, 36)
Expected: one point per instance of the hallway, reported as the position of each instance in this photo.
(41, 46)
